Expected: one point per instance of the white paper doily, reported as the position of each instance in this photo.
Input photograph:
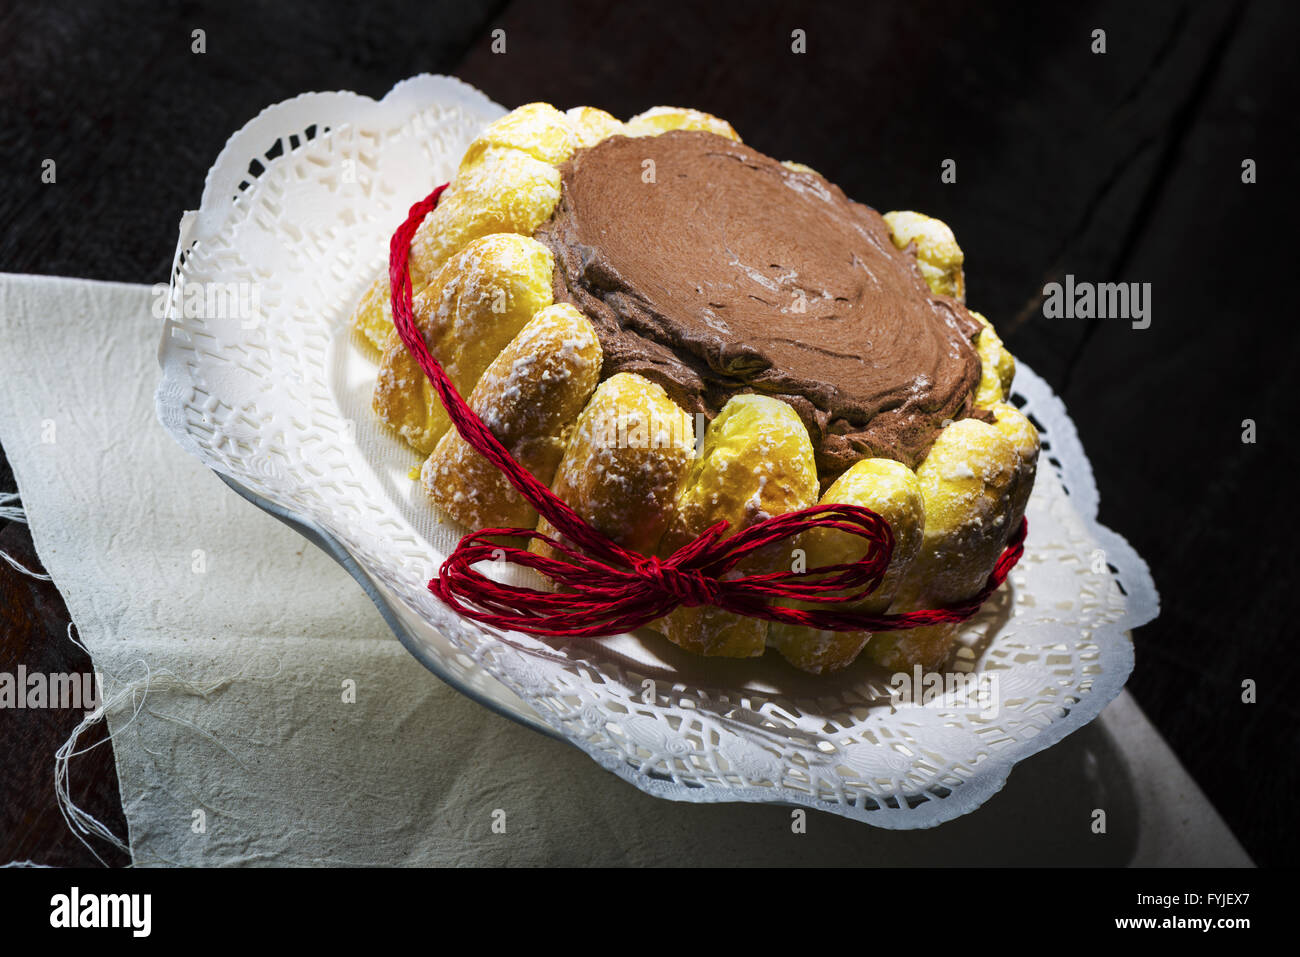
(264, 383)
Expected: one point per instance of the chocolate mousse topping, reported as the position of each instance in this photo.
(712, 269)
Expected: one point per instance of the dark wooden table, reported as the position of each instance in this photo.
(1116, 166)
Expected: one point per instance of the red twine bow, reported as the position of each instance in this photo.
(608, 589)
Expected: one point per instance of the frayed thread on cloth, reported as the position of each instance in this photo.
(23, 569)
(81, 823)
(10, 510)
(135, 691)
(14, 513)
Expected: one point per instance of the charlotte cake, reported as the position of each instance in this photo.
(598, 288)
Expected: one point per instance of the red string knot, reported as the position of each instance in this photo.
(689, 586)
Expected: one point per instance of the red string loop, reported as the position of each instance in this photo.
(607, 589)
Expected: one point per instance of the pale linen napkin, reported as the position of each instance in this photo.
(245, 636)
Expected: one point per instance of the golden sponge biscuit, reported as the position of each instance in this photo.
(967, 481)
(625, 460)
(663, 119)
(530, 397)
(937, 252)
(800, 167)
(538, 129)
(475, 305)
(756, 462)
(506, 183)
(591, 125)
(373, 315)
(505, 191)
(1020, 432)
(997, 366)
(929, 646)
(891, 490)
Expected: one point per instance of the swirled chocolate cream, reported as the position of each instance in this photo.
(712, 269)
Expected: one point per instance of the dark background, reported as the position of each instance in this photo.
(1117, 167)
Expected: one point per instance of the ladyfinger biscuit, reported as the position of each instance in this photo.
(997, 366)
(506, 183)
(504, 191)
(625, 460)
(799, 167)
(1020, 432)
(538, 129)
(476, 304)
(756, 462)
(591, 125)
(530, 397)
(373, 315)
(929, 646)
(893, 491)
(967, 482)
(937, 252)
(664, 119)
